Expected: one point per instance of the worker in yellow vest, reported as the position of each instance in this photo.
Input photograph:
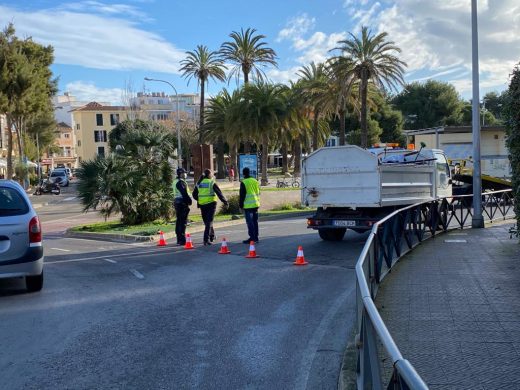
(250, 202)
(205, 193)
(181, 202)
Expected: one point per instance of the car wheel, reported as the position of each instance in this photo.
(34, 283)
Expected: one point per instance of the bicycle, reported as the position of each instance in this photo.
(285, 184)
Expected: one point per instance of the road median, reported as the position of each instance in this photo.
(195, 227)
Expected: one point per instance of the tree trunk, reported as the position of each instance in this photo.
(364, 91)
(315, 131)
(297, 157)
(247, 147)
(265, 153)
(285, 161)
(9, 148)
(19, 140)
(221, 164)
(234, 163)
(201, 117)
(342, 127)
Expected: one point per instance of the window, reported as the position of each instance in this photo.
(99, 119)
(100, 136)
(114, 119)
(77, 126)
(79, 143)
(66, 135)
(12, 203)
(101, 151)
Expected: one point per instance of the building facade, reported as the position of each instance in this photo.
(92, 125)
(457, 143)
(158, 106)
(66, 155)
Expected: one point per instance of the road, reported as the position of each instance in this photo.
(116, 315)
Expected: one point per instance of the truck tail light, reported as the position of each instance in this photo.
(313, 222)
(35, 232)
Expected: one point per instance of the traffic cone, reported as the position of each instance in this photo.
(162, 241)
(224, 250)
(252, 251)
(300, 260)
(189, 243)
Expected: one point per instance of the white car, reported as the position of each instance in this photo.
(59, 176)
(21, 244)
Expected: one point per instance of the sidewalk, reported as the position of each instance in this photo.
(452, 306)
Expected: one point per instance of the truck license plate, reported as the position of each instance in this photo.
(344, 223)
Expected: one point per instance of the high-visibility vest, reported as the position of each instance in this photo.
(206, 192)
(252, 199)
(176, 193)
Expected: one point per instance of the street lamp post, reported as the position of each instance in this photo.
(179, 157)
(478, 220)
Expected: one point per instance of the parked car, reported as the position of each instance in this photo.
(67, 170)
(59, 176)
(21, 245)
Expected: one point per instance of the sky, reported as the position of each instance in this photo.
(104, 48)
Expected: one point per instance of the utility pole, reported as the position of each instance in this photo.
(477, 220)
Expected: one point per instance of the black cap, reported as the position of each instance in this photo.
(180, 171)
(245, 171)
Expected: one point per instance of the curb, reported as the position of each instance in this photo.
(195, 229)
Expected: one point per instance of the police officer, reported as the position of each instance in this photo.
(206, 192)
(181, 202)
(250, 202)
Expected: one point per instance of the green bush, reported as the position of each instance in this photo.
(233, 207)
(289, 206)
(512, 122)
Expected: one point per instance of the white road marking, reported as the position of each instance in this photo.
(458, 234)
(137, 274)
(59, 249)
(455, 241)
(154, 252)
(69, 198)
(110, 261)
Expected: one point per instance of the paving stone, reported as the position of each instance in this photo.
(456, 315)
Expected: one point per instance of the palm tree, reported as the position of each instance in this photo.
(314, 84)
(247, 52)
(221, 119)
(374, 60)
(203, 65)
(261, 112)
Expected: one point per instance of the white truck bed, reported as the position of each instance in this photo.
(348, 176)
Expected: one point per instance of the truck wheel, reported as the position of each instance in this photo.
(332, 234)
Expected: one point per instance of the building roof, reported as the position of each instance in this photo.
(452, 130)
(64, 125)
(95, 106)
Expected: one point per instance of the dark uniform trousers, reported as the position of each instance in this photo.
(208, 213)
(181, 210)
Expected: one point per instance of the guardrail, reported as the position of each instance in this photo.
(389, 240)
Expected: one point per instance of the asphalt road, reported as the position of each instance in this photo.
(115, 315)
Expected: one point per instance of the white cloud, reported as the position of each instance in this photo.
(95, 41)
(95, 7)
(318, 46)
(436, 35)
(296, 27)
(314, 48)
(283, 76)
(86, 91)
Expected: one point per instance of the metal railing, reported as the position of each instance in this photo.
(389, 240)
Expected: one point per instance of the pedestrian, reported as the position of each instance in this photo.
(250, 202)
(205, 193)
(181, 202)
(231, 173)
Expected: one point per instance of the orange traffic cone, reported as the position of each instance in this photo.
(162, 241)
(189, 243)
(224, 250)
(300, 260)
(252, 251)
